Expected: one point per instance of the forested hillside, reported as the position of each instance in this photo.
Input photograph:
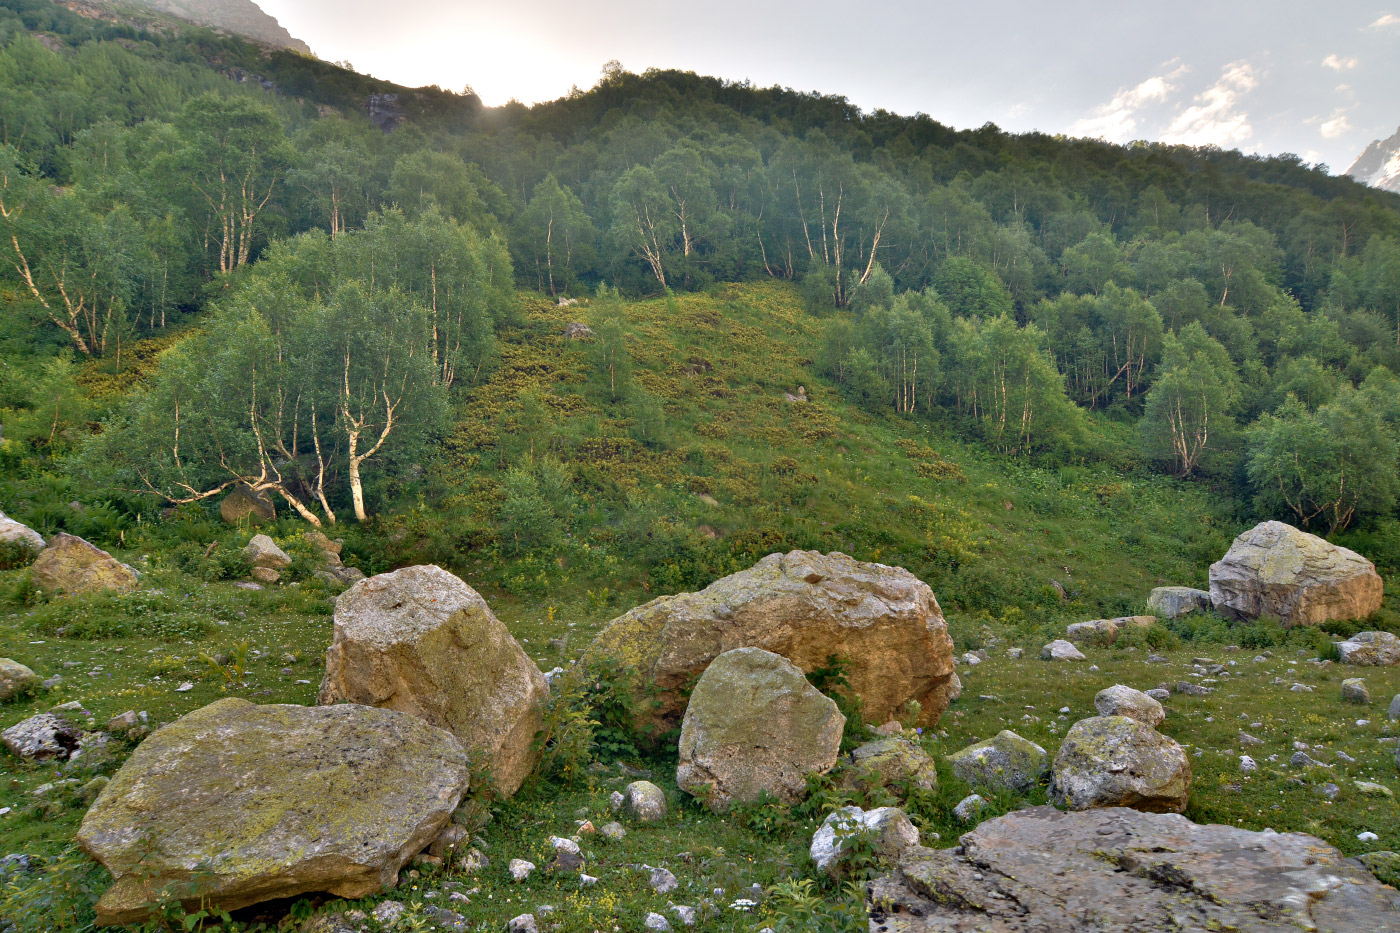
(219, 272)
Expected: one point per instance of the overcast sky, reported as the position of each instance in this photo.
(1317, 79)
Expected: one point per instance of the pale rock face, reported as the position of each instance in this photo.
(1173, 602)
(892, 829)
(266, 802)
(1114, 761)
(803, 606)
(1275, 569)
(1005, 761)
(1060, 650)
(755, 725)
(1119, 700)
(13, 532)
(1121, 871)
(422, 642)
(73, 566)
(1370, 649)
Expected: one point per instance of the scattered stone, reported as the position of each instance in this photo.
(803, 606)
(89, 791)
(421, 641)
(1367, 836)
(755, 726)
(1106, 631)
(19, 535)
(1157, 659)
(262, 551)
(1173, 602)
(42, 738)
(243, 504)
(1394, 712)
(1160, 694)
(1354, 691)
(1301, 688)
(452, 836)
(645, 802)
(686, 915)
(1301, 759)
(616, 801)
(970, 659)
(123, 722)
(71, 565)
(890, 828)
(1248, 740)
(265, 575)
(525, 923)
(1121, 871)
(1329, 790)
(1372, 789)
(577, 330)
(1014, 653)
(1060, 650)
(16, 679)
(1004, 762)
(255, 799)
(614, 831)
(657, 923)
(1370, 649)
(1114, 761)
(1384, 865)
(1274, 569)
(889, 762)
(521, 869)
(1119, 700)
(567, 857)
(969, 807)
(1186, 688)
(1248, 764)
(662, 881)
(388, 913)
(474, 861)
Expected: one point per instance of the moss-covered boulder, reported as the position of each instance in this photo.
(71, 565)
(1370, 649)
(893, 763)
(1115, 761)
(804, 606)
(1122, 700)
(1004, 762)
(235, 804)
(421, 641)
(754, 726)
(16, 678)
(242, 504)
(1276, 570)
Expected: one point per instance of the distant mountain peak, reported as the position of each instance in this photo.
(1379, 165)
(240, 17)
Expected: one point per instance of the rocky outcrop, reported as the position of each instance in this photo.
(16, 678)
(806, 607)
(421, 641)
(1004, 762)
(18, 535)
(385, 111)
(1114, 761)
(1120, 700)
(71, 566)
(893, 763)
(1173, 602)
(1370, 649)
(235, 804)
(755, 726)
(1276, 570)
(240, 17)
(242, 504)
(1106, 631)
(1121, 871)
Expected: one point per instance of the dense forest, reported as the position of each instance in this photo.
(217, 270)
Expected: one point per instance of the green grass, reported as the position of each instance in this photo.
(989, 534)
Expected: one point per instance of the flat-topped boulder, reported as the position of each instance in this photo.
(891, 762)
(755, 726)
(235, 804)
(1276, 570)
(1122, 871)
(1106, 631)
(422, 642)
(1173, 602)
(804, 606)
(72, 566)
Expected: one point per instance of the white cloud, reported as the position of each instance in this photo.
(1336, 125)
(1214, 118)
(1116, 120)
(1387, 20)
(1337, 63)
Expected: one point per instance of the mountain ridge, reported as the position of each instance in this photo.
(1379, 164)
(240, 17)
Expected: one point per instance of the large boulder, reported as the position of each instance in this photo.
(1121, 871)
(891, 833)
(1370, 649)
(754, 726)
(263, 552)
(1115, 761)
(235, 804)
(1004, 762)
(807, 607)
(17, 535)
(1173, 602)
(1106, 631)
(1276, 570)
(421, 641)
(242, 504)
(44, 737)
(893, 762)
(16, 678)
(1120, 700)
(71, 565)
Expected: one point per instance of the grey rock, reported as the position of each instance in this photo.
(969, 807)
(890, 762)
(262, 551)
(1173, 602)
(16, 679)
(662, 881)
(20, 535)
(1394, 712)
(520, 869)
(576, 330)
(1060, 650)
(645, 802)
(684, 914)
(1328, 790)
(1160, 694)
(1106, 631)
(1113, 761)
(388, 913)
(1119, 700)
(1004, 762)
(1370, 649)
(890, 828)
(614, 831)
(1122, 871)
(1248, 740)
(1354, 691)
(525, 923)
(657, 923)
(42, 738)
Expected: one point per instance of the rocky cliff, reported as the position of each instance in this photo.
(1379, 165)
(241, 17)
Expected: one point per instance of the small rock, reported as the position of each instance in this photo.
(1304, 760)
(1120, 700)
(662, 881)
(1344, 758)
(1248, 764)
(1005, 761)
(1014, 653)
(521, 869)
(42, 737)
(616, 801)
(1354, 691)
(613, 831)
(1394, 712)
(525, 923)
(1160, 694)
(656, 922)
(1329, 790)
(1367, 836)
(1186, 688)
(968, 808)
(1249, 741)
(892, 832)
(1372, 789)
(586, 881)
(474, 861)
(645, 802)
(16, 679)
(389, 912)
(686, 915)
(1060, 650)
